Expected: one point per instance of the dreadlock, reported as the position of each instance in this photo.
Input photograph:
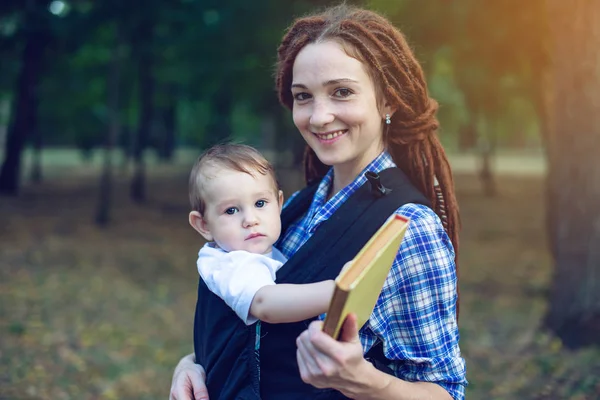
(411, 137)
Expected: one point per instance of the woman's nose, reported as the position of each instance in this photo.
(322, 114)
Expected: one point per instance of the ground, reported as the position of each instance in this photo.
(91, 313)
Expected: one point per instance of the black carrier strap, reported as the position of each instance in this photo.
(224, 345)
(334, 243)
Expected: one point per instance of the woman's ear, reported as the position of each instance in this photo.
(280, 201)
(388, 109)
(200, 225)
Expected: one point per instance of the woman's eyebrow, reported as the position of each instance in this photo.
(327, 83)
(338, 81)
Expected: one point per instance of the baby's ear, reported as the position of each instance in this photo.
(199, 224)
(280, 200)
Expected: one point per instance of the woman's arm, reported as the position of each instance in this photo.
(188, 381)
(414, 317)
(291, 303)
(327, 363)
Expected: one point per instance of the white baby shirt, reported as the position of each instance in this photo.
(236, 276)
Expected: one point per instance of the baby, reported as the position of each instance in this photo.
(236, 205)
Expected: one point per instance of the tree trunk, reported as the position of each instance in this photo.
(4, 117)
(467, 137)
(573, 145)
(485, 173)
(138, 182)
(25, 117)
(106, 180)
(145, 115)
(168, 125)
(36, 166)
(487, 148)
(219, 128)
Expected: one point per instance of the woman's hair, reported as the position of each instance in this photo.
(232, 156)
(399, 81)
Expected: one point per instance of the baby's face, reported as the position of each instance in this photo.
(242, 211)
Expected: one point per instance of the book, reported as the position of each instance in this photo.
(359, 283)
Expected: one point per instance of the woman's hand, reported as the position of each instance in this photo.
(188, 381)
(327, 363)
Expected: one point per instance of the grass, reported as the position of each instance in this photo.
(89, 313)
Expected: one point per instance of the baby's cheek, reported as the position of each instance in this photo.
(229, 239)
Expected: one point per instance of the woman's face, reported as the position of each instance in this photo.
(335, 107)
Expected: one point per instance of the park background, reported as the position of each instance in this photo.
(104, 105)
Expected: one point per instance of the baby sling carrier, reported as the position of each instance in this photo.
(226, 347)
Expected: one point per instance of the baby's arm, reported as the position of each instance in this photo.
(291, 303)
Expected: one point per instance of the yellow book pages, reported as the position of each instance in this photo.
(358, 286)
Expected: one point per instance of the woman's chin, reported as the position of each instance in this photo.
(327, 160)
(330, 157)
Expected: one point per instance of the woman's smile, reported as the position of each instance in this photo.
(330, 137)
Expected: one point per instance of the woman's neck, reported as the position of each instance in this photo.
(342, 177)
(340, 181)
(345, 174)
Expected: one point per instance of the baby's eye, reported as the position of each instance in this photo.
(260, 203)
(231, 210)
(342, 92)
(301, 96)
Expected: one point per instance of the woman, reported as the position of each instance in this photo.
(360, 100)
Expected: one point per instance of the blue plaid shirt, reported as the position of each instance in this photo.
(415, 314)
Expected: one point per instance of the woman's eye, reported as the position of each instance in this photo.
(231, 211)
(261, 203)
(342, 92)
(301, 96)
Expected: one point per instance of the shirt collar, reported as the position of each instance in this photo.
(381, 162)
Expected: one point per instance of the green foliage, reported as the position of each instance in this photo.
(246, 125)
(491, 52)
(193, 118)
(216, 59)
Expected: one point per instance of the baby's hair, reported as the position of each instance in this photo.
(232, 156)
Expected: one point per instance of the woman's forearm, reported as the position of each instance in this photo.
(378, 385)
(291, 303)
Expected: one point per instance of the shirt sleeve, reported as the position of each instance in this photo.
(415, 316)
(236, 277)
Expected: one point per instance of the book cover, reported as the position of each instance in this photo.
(359, 284)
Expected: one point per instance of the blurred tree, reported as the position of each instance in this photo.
(36, 167)
(34, 33)
(166, 123)
(573, 143)
(114, 124)
(142, 49)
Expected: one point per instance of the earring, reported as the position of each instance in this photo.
(388, 119)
